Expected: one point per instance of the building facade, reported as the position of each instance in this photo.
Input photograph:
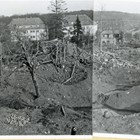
(88, 26)
(32, 28)
(109, 37)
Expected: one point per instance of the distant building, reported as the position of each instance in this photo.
(32, 28)
(107, 37)
(88, 26)
(110, 37)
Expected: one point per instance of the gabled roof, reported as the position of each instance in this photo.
(26, 22)
(110, 32)
(107, 32)
(84, 19)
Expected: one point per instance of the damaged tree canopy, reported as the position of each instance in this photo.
(33, 55)
(69, 67)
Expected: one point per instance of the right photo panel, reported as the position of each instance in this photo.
(116, 67)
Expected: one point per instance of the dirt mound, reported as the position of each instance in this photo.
(77, 94)
(34, 122)
(116, 98)
(45, 116)
(123, 101)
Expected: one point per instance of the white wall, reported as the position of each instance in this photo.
(90, 29)
(87, 29)
(35, 34)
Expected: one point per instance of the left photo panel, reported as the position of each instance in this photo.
(46, 67)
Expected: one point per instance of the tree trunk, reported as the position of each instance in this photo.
(35, 84)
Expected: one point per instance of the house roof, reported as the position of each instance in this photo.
(110, 32)
(85, 20)
(27, 22)
(107, 32)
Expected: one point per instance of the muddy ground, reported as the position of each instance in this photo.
(58, 109)
(116, 96)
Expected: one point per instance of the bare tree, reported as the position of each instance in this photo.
(25, 54)
(28, 54)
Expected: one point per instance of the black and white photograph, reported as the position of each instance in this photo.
(46, 57)
(116, 67)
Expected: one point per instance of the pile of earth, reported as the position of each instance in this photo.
(48, 121)
(21, 114)
(116, 99)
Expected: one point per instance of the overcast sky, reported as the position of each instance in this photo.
(131, 6)
(10, 7)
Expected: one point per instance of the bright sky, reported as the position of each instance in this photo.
(130, 6)
(10, 7)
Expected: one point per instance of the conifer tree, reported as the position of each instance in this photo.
(77, 31)
(58, 8)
